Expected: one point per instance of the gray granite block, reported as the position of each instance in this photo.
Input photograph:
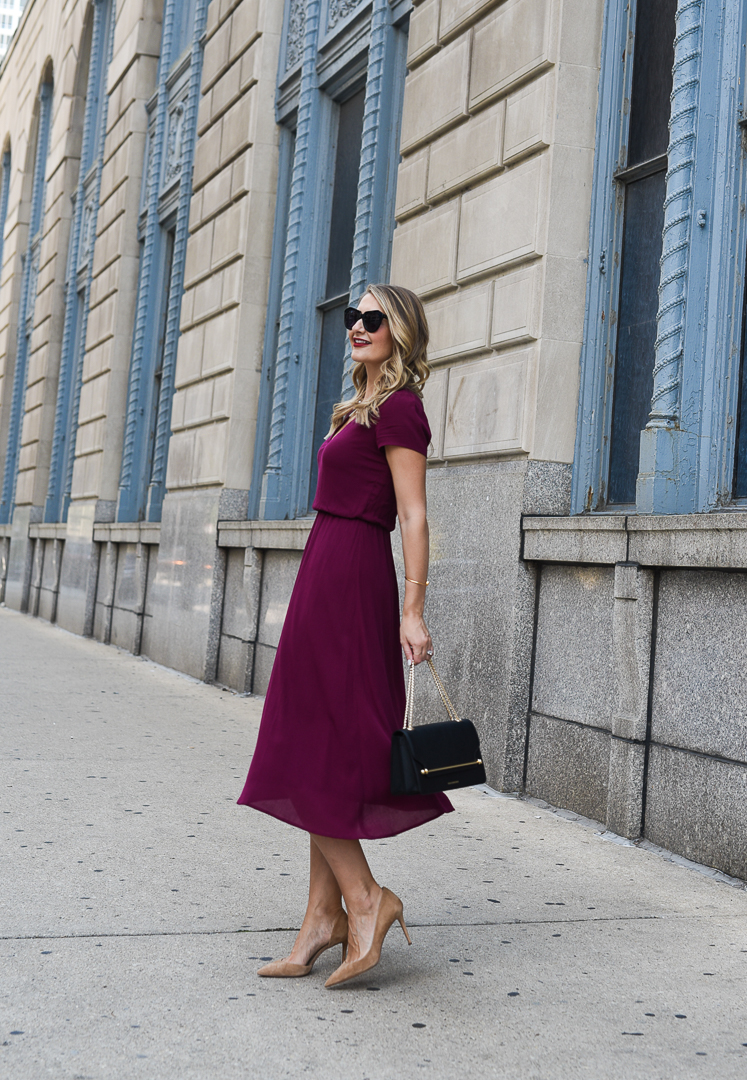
(79, 571)
(47, 604)
(20, 560)
(697, 806)
(632, 620)
(183, 587)
(574, 659)
(598, 539)
(625, 788)
(235, 663)
(569, 766)
(474, 514)
(126, 628)
(264, 658)
(242, 593)
(547, 488)
(278, 579)
(132, 570)
(700, 677)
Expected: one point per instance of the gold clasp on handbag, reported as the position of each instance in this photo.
(447, 768)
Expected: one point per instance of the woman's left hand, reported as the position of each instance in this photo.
(415, 638)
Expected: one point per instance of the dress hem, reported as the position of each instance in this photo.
(357, 835)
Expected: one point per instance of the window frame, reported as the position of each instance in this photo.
(309, 95)
(690, 463)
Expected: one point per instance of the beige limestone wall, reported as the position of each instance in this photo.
(51, 38)
(46, 46)
(493, 204)
(228, 254)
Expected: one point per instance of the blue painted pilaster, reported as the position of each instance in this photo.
(133, 477)
(277, 484)
(15, 427)
(667, 480)
(71, 364)
(377, 183)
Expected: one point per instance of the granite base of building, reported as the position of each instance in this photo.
(639, 699)
(600, 658)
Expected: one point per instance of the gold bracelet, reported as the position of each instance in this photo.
(414, 582)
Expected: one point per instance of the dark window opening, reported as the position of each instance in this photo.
(643, 180)
(339, 266)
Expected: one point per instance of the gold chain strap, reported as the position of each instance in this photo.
(439, 686)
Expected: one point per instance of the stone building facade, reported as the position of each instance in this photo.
(191, 194)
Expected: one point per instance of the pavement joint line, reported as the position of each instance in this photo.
(413, 925)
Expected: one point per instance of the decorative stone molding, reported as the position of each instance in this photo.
(272, 495)
(339, 9)
(174, 143)
(295, 35)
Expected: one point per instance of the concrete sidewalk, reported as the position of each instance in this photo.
(137, 901)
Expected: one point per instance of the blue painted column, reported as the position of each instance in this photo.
(376, 185)
(295, 309)
(28, 298)
(134, 454)
(71, 365)
(667, 480)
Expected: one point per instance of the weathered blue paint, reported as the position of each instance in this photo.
(668, 459)
(277, 487)
(157, 485)
(133, 478)
(720, 247)
(687, 450)
(591, 457)
(377, 184)
(26, 309)
(76, 307)
(4, 196)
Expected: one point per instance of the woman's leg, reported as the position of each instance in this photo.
(348, 865)
(322, 909)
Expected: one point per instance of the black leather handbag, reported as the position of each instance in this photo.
(435, 757)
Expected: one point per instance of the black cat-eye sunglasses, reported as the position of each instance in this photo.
(371, 320)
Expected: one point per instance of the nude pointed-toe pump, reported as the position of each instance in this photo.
(284, 969)
(390, 910)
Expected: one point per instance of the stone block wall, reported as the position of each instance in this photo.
(637, 714)
(493, 210)
(228, 255)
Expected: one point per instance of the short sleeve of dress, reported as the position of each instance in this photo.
(402, 422)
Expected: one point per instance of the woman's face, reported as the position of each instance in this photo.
(370, 348)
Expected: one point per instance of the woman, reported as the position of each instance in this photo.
(337, 688)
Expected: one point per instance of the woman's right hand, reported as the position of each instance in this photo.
(415, 638)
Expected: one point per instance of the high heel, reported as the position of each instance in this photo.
(389, 911)
(284, 969)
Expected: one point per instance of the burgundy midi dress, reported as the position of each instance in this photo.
(337, 689)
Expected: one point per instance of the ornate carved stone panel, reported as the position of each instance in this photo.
(339, 9)
(294, 41)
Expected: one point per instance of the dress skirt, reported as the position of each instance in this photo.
(337, 693)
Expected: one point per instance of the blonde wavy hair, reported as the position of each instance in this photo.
(407, 367)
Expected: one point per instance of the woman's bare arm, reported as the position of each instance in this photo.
(408, 474)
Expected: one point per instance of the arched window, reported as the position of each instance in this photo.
(98, 39)
(38, 168)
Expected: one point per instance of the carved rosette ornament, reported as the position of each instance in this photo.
(294, 39)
